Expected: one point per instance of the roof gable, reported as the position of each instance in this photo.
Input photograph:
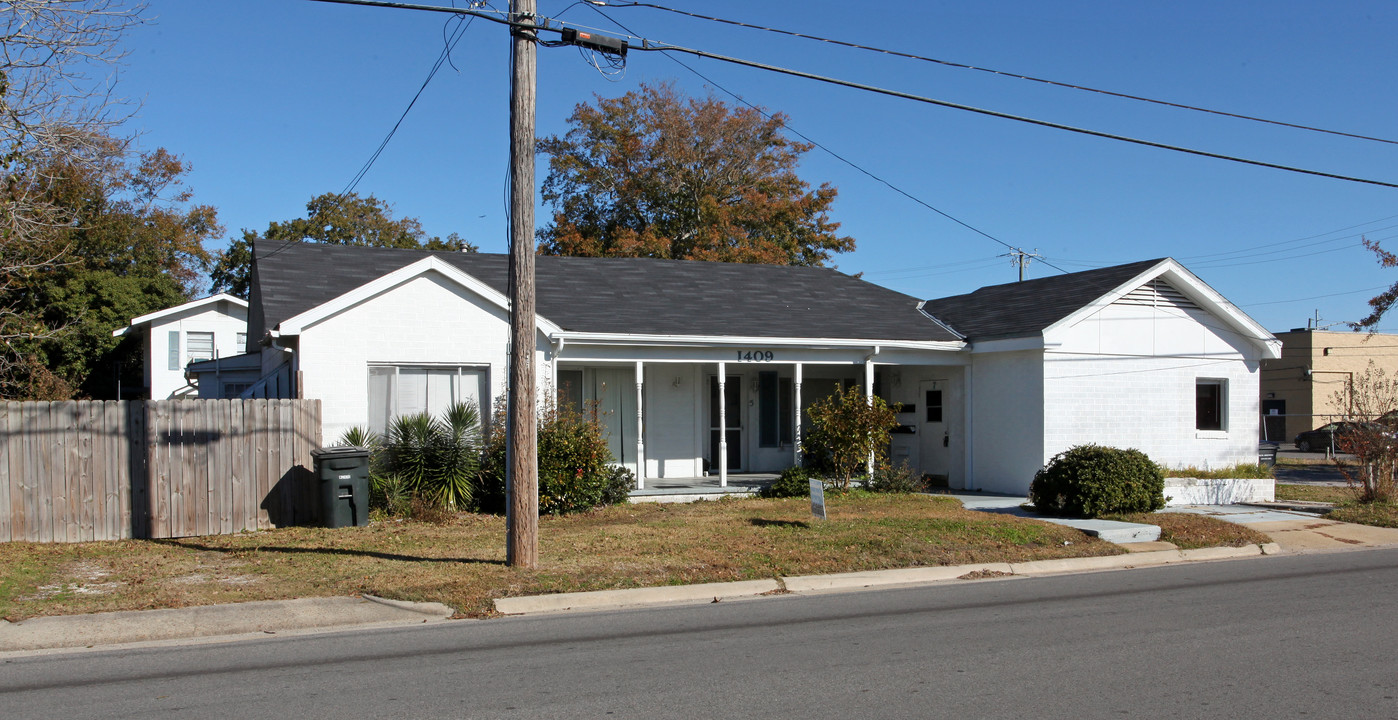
(152, 318)
(1045, 306)
(1028, 308)
(617, 295)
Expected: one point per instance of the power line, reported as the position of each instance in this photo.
(652, 46)
(818, 144)
(646, 45)
(1017, 76)
(447, 49)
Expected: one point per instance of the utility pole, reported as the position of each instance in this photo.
(522, 478)
(1021, 259)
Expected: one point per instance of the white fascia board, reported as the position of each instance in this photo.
(585, 338)
(149, 318)
(1033, 342)
(296, 324)
(1195, 289)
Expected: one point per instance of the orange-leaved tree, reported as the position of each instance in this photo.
(654, 173)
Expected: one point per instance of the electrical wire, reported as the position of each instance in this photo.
(816, 143)
(1017, 76)
(652, 46)
(447, 49)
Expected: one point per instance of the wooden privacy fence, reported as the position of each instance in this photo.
(109, 470)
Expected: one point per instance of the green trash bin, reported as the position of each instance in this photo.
(342, 474)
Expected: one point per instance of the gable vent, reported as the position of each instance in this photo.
(1157, 293)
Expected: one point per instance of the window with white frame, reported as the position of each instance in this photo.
(242, 342)
(1210, 404)
(199, 346)
(397, 390)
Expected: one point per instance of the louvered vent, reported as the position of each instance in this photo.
(1157, 293)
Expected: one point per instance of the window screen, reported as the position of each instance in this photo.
(395, 391)
(200, 346)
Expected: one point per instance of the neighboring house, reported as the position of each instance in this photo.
(701, 367)
(1306, 387)
(213, 327)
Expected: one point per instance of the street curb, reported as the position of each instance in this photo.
(612, 599)
(433, 609)
(712, 592)
(898, 576)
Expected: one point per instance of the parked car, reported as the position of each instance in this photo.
(1328, 436)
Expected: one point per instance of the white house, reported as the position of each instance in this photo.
(992, 383)
(213, 327)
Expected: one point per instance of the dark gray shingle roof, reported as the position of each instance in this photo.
(619, 295)
(1024, 309)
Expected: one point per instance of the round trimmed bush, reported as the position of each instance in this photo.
(1091, 481)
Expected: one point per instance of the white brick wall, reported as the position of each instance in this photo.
(1126, 377)
(427, 320)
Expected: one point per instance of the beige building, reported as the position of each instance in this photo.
(1300, 389)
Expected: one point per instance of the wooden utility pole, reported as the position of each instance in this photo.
(522, 481)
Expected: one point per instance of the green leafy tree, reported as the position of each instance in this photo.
(846, 430)
(656, 174)
(134, 245)
(334, 218)
(58, 112)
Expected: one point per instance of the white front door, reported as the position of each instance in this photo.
(933, 429)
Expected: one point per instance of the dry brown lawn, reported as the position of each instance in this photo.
(461, 563)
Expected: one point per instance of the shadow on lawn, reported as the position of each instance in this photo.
(761, 522)
(329, 551)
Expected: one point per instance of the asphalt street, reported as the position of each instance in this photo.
(1289, 636)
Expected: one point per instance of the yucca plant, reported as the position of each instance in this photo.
(435, 459)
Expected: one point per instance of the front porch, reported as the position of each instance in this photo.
(702, 488)
(687, 427)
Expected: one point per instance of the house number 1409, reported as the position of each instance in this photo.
(755, 356)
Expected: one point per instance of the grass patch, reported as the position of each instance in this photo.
(1188, 530)
(1241, 470)
(1317, 459)
(1376, 514)
(1316, 493)
(461, 563)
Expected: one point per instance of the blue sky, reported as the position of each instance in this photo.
(275, 101)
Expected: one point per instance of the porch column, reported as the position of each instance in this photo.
(722, 426)
(869, 400)
(640, 425)
(796, 388)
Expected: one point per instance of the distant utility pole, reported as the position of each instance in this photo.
(1022, 259)
(522, 479)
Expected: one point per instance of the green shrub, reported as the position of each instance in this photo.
(1092, 480)
(620, 483)
(575, 471)
(846, 428)
(793, 482)
(900, 478)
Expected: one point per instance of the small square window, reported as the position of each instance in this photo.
(1210, 397)
(934, 406)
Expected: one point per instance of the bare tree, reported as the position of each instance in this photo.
(58, 70)
(1370, 396)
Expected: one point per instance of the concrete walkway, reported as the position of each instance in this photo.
(1121, 533)
(1299, 531)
